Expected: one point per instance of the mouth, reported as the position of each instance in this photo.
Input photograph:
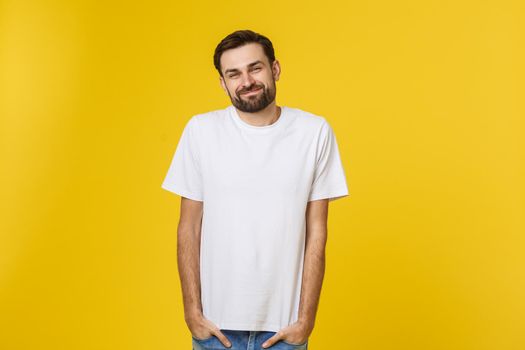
(253, 92)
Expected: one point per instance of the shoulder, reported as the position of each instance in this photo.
(305, 117)
(200, 123)
(209, 117)
(308, 121)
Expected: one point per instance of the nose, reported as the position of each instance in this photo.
(247, 81)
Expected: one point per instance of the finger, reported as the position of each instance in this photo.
(222, 338)
(272, 340)
(217, 332)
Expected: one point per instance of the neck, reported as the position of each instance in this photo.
(264, 117)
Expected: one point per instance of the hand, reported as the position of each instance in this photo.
(296, 333)
(201, 328)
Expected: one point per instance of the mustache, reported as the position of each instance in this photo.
(251, 88)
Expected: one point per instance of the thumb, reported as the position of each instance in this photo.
(217, 332)
(272, 340)
(222, 338)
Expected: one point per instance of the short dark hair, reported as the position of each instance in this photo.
(241, 38)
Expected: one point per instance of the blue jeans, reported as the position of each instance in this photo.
(244, 340)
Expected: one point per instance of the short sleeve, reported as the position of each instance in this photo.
(329, 179)
(184, 174)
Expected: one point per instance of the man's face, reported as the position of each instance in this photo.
(248, 78)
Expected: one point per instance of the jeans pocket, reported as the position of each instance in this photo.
(202, 340)
(298, 346)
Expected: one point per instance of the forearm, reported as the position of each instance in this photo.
(313, 275)
(188, 260)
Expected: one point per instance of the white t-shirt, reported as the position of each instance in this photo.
(254, 182)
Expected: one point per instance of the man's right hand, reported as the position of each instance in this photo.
(202, 328)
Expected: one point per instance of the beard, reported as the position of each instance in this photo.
(257, 102)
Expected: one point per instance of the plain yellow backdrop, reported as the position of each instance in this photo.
(426, 99)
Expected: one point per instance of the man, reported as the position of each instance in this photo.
(255, 180)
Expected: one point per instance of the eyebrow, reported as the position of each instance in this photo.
(236, 70)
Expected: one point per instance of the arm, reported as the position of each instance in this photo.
(314, 262)
(188, 256)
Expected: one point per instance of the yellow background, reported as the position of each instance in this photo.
(425, 98)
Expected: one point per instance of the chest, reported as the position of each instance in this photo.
(264, 165)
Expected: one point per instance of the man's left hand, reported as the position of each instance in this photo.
(296, 333)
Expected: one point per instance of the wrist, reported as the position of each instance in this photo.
(192, 315)
(307, 324)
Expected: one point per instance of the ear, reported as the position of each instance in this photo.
(276, 69)
(223, 84)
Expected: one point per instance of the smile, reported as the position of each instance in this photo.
(252, 92)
